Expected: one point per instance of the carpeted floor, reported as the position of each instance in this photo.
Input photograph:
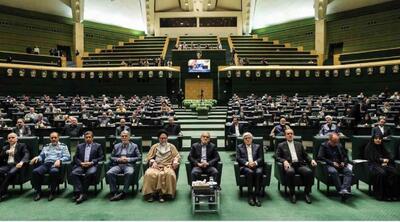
(233, 207)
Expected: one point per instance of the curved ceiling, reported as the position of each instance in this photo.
(131, 13)
(272, 12)
(123, 13)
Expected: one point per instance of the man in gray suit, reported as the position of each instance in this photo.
(123, 157)
(21, 129)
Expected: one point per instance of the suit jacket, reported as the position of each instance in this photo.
(73, 131)
(211, 153)
(96, 154)
(119, 129)
(132, 154)
(326, 153)
(26, 131)
(283, 153)
(173, 129)
(232, 130)
(242, 157)
(386, 131)
(21, 153)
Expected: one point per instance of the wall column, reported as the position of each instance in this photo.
(78, 42)
(320, 8)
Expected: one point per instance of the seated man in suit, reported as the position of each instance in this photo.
(13, 157)
(124, 155)
(21, 129)
(103, 120)
(236, 129)
(204, 158)
(380, 129)
(250, 157)
(73, 129)
(32, 116)
(333, 153)
(173, 128)
(50, 159)
(86, 160)
(294, 158)
(328, 127)
(122, 127)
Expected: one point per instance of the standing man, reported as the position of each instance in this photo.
(13, 157)
(204, 158)
(86, 160)
(50, 161)
(124, 155)
(333, 153)
(295, 160)
(250, 157)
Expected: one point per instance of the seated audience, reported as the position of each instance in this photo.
(122, 127)
(73, 129)
(328, 127)
(172, 128)
(381, 130)
(21, 129)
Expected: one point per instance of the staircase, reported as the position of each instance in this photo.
(192, 125)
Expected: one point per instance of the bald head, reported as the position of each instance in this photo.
(333, 139)
(12, 138)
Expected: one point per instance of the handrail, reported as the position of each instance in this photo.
(367, 51)
(330, 67)
(90, 69)
(30, 54)
(165, 49)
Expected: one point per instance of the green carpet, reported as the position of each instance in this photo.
(233, 207)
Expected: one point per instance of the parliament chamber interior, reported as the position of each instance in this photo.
(200, 110)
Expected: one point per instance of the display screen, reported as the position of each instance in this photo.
(198, 65)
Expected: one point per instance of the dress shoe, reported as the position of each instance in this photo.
(114, 197)
(3, 197)
(251, 202)
(258, 202)
(308, 198)
(117, 197)
(81, 198)
(150, 199)
(51, 197)
(75, 196)
(37, 197)
(293, 198)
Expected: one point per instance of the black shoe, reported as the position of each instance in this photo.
(114, 197)
(3, 196)
(308, 198)
(293, 198)
(75, 196)
(37, 197)
(251, 201)
(81, 198)
(51, 197)
(258, 202)
(150, 199)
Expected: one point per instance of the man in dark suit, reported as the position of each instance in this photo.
(381, 130)
(13, 157)
(73, 129)
(250, 157)
(295, 161)
(85, 167)
(172, 128)
(21, 129)
(204, 158)
(335, 156)
(123, 157)
(122, 127)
